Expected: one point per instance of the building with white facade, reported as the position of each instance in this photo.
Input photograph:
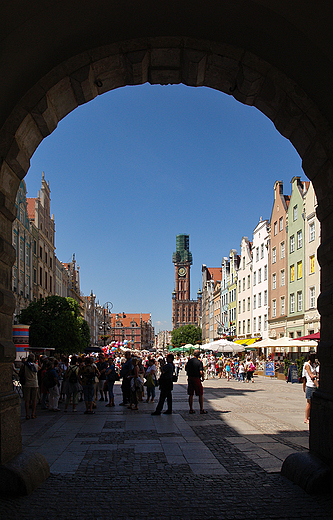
(244, 295)
(260, 279)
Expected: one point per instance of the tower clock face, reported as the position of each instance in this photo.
(182, 271)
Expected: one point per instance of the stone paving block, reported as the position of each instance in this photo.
(208, 469)
(260, 439)
(98, 447)
(237, 440)
(172, 449)
(176, 459)
(223, 451)
(148, 448)
(270, 465)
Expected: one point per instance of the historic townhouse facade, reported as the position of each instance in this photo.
(163, 339)
(296, 258)
(278, 265)
(244, 296)
(232, 292)
(311, 265)
(23, 242)
(225, 294)
(211, 290)
(260, 280)
(39, 215)
(136, 328)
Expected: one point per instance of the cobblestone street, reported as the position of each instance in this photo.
(128, 464)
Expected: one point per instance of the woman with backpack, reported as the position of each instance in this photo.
(87, 375)
(72, 383)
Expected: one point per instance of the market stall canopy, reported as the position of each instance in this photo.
(315, 336)
(246, 342)
(285, 342)
(223, 345)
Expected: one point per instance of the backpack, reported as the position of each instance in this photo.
(48, 380)
(90, 378)
(72, 378)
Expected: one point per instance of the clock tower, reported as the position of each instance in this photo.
(184, 310)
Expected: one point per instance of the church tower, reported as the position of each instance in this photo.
(184, 310)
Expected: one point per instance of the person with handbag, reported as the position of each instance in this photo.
(166, 385)
(87, 374)
(151, 381)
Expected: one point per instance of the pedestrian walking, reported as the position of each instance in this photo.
(151, 381)
(195, 374)
(72, 385)
(29, 382)
(310, 374)
(87, 375)
(166, 385)
(126, 383)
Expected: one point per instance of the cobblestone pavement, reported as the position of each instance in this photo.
(128, 464)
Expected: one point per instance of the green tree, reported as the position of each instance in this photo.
(56, 322)
(186, 334)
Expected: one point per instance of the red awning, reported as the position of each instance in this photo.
(311, 336)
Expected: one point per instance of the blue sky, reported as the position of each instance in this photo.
(136, 166)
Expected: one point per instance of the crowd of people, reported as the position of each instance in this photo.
(50, 381)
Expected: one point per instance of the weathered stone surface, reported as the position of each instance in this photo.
(23, 474)
(308, 472)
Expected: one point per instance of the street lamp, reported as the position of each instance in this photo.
(107, 307)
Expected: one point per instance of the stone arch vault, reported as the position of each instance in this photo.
(273, 54)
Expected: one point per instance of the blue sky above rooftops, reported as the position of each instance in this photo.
(136, 166)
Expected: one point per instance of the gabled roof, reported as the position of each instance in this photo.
(126, 321)
(31, 207)
(214, 273)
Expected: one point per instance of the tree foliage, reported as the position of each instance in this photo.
(56, 322)
(186, 334)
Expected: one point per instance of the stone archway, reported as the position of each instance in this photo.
(161, 60)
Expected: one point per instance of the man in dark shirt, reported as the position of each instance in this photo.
(166, 386)
(195, 373)
(126, 383)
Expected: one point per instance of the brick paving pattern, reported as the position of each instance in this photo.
(121, 464)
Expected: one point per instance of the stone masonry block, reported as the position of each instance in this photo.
(62, 98)
(166, 58)
(18, 160)
(221, 73)
(10, 181)
(28, 135)
(308, 472)
(109, 73)
(194, 67)
(139, 63)
(23, 474)
(7, 208)
(287, 117)
(314, 159)
(7, 252)
(45, 116)
(7, 301)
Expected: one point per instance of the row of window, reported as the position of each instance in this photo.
(299, 236)
(244, 327)
(257, 299)
(296, 302)
(299, 272)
